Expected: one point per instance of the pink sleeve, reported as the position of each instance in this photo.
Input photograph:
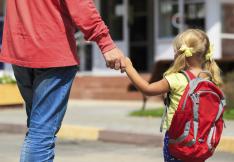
(88, 20)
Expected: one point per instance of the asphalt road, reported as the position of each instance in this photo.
(84, 151)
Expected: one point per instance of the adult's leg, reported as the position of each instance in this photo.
(51, 88)
(24, 78)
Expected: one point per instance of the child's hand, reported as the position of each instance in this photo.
(128, 62)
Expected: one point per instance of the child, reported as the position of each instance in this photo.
(192, 52)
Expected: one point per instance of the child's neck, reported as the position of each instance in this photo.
(195, 70)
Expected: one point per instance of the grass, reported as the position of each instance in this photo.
(229, 114)
(158, 112)
(155, 112)
(7, 79)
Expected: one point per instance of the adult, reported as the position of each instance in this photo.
(39, 41)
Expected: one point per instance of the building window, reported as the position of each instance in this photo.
(167, 10)
(228, 30)
(169, 18)
(112, 14)
(195, 15)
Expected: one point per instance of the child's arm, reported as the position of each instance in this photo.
(152, 89)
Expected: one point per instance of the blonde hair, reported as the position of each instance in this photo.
(199, 45)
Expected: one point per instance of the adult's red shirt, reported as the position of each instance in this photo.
(40, 33)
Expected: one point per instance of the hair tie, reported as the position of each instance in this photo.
(187, 51)
(209, 55)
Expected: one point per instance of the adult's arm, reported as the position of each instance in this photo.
(86, 17)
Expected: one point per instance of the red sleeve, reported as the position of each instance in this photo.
(88, 20)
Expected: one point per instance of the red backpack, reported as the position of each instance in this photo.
(197, 124)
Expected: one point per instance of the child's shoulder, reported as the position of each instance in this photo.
(176, 76)
(176, 80)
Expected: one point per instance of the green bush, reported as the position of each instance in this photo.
(228, 90)
(7, 79)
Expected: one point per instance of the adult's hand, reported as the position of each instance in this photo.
(115, 59)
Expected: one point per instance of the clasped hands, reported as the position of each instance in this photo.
(115, 59)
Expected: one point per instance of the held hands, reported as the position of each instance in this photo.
(115, 59)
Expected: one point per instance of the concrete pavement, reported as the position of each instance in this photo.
(107, 121)
(94, 151)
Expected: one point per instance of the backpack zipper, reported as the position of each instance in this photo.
(198, 94)
(207, 91)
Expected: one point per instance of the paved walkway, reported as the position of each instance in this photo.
(111, 115)
(85, 119)
(86, 151)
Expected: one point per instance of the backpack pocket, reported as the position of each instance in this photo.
(180, 129)
(214, 135)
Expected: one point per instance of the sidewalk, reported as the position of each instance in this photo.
(106, 121)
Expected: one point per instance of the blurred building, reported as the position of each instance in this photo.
(145, 29)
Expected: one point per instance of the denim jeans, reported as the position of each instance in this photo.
(46, 93)
(167, 156)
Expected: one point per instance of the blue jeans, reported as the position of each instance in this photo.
(167, 156)
(46, 93)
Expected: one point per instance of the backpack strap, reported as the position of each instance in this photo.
(166, 103)
(188, 74)
(213, 128)
(207, 73)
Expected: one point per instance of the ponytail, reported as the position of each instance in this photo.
(215, 71)
(178, 65)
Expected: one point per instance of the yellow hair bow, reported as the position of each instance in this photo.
(209, 55)
(187, 51)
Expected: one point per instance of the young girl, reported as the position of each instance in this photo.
(193, 52)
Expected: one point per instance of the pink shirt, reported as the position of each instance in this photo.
(40, 33)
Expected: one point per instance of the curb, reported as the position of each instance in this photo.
(73, 132)
(13, 128)
(226, 144)
(68, 132)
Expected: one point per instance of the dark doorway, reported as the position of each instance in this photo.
(141, 34)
